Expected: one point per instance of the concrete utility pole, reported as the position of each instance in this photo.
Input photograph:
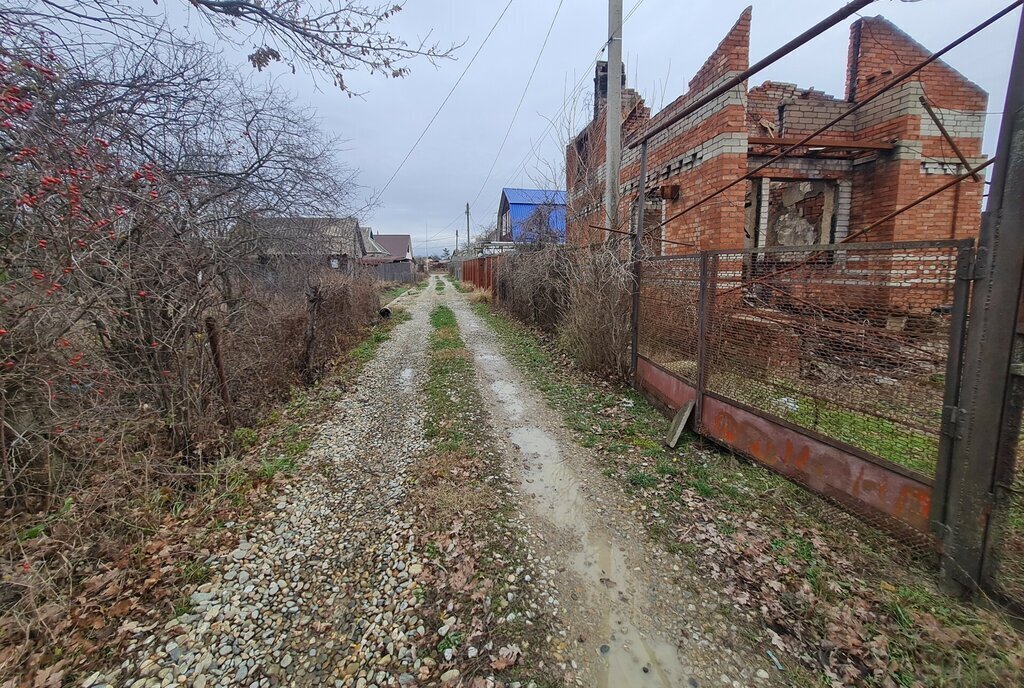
(613, 115)
(467, 225)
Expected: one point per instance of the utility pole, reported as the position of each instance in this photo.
(613, 115)
(467, 225)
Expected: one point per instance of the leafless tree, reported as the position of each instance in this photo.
(327, 38)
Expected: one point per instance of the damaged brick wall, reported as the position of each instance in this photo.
(903, 154)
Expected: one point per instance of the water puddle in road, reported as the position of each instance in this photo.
(405, 379)
(627, 659)
(624, 657)
(508, 393)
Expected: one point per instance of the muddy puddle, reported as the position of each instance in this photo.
(624, 657)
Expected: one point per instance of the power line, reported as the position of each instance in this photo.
(570, 98)
(522, 97)
(443, 102)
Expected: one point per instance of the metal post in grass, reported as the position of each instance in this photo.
(636, 248)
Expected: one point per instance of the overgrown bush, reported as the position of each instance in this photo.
(581, 294)
(139, 324)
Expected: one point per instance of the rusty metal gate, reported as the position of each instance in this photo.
(833, 365)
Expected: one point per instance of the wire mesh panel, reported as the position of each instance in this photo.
(669, 304)
(850, 343)
(1007, 569)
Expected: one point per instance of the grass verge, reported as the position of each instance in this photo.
(475, 545)
(389, 295)
(825, 591)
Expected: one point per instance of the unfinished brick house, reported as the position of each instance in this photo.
(857, 172)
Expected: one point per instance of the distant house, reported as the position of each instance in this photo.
(391, 256)
(398, 245)
(531, 216)
(336, 241)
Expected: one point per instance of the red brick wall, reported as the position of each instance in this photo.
(881, 182)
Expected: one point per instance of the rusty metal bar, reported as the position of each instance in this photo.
(637, 248)
(821, 27)
(951, 411)
(705, 294)
(945, 134)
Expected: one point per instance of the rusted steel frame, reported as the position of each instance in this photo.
(636, 246)
(838, 144)
(817, 436)
(667, 389)
(819, 464)
(902, 77)
(951, 392)
(945, 134)
(705, 300)
(808, 35)
(989, 445)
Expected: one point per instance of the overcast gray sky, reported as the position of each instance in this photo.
(664, 43)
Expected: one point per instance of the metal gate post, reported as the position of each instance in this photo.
(988, 354)
(705, 293)
(951, 411)
(636, 247)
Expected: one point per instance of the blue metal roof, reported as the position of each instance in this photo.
(534, 196)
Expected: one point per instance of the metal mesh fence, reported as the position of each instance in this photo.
(851, 344)
(1008, 536)
(669, 304)
(826, 363)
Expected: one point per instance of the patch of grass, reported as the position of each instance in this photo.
(244, 438)
(183, 605)
(195, 572)
(452, 641)
(439, 286)
(638, 478)
(666, 468)
(389, 295)
(455, 484)
(272, 466)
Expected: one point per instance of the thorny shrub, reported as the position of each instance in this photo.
(124, 272)
(582, 294)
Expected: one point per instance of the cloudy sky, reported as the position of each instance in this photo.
(664, 43)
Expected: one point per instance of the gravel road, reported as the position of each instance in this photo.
(320, 590)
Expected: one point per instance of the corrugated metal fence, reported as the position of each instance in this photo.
(480, 272)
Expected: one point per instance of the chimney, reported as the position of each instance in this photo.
(601, 84)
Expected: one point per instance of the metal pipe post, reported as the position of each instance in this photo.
(637, 248)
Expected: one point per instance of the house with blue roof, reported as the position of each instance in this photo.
(531, 216)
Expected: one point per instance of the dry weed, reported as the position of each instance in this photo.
(481, 296)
